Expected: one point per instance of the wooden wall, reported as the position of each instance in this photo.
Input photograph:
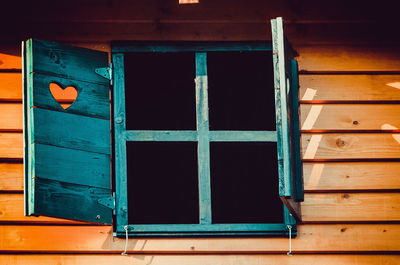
(350, 119)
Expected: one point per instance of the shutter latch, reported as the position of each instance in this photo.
(108, 202)
(105, 72)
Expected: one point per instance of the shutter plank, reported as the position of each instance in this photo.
(92, 99)
(55, 59)
(72, 166)
(71, 131)
(81, 203)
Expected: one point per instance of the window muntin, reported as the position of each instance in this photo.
(205, 137)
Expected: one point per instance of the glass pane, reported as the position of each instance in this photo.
(162, 183)
(240, 91)
(244, 183)
(160, 91)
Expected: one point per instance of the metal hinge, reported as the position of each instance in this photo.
(105, 72)
(108, 202)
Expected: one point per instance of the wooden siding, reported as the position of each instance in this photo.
(274, 259)
(350, 95)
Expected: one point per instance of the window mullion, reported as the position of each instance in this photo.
(203, 149)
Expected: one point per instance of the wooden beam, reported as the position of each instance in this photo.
(320, 238)
(348, 146)
(317, 207)
(138, 259)
(11, 177)
(348, 58)
(342, 176)
(10, 87)
(349, 88)
(350, 207)
(350, 117)
(11, 145)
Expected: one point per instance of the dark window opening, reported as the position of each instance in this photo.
(162, 183)
(160, 91)
(244, 186)
(240, 91)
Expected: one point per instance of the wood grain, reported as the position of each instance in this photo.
(354, 117)
(317, 207)
(351, 207)
(322, 238)
(10, 86)
(11, 116)
(11, 177)
(350, 146)
(9, 61)
(333, 176)
(11, 145)
(255, 259)
(348, 58)
(12, 210)
(349, 88)
(341, 176)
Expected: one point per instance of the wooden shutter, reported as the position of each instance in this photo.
(66, 151)
(287, 121)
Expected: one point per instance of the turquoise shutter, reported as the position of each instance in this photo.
(66, 151)
(287, 121)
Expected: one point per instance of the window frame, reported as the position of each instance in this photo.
(203, 136)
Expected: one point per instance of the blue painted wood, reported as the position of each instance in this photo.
(72, 166)
(282, 82)
(243, 136)
(71, 201)
(93, 100)
(56, 59)
(163, 136)
(255, 227)
(121, 185)
(25, 130)
(203, 147)
(296, 135)
(191, 46)
(71, 131)
(66, 168)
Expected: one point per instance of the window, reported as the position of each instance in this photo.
(205, 137)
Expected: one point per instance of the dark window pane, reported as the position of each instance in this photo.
(240, 89)
(160, 91)
(162, 183)
(244, 183)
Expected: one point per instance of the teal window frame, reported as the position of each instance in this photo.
(203, 136)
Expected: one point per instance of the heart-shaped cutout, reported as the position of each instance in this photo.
(64, 96)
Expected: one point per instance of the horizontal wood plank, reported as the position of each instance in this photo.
(348, 58)
(12, 210)
(9, 59)
(256, 259)
(11, 145)
(317, 207)
(341, 176)
(325, 88)
(334, 146)
(11, 116)
(325, 117)
(10, 86)
(322, 238)
(11, 177)
(318, 176)
(350, 207)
